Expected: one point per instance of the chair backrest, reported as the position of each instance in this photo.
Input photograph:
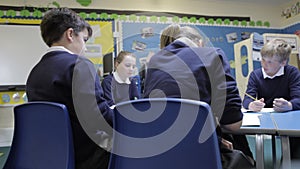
(42, 137)
(164, 133)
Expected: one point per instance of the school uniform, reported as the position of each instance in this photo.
(116, 91)
(284, 84)
(181, 71)
(63, 77)
(184, 70)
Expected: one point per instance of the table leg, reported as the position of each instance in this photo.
(274, 155)
(260, 151)
(286, 156)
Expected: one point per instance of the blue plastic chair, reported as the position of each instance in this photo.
(42, 137)
(161, 133)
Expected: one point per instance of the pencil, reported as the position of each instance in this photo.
(250, 96)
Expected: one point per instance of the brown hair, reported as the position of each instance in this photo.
(122, 54)
(169, 34)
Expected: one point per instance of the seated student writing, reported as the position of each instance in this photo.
(119, 86)
(276, 84)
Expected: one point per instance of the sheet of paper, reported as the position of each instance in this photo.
(251, 119)
(267, 110)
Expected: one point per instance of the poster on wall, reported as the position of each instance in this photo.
(142, 39)
(100, 44)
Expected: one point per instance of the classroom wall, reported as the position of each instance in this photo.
(284, 22)
(6, 117)
(255, 9)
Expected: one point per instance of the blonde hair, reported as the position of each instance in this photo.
(278, 48)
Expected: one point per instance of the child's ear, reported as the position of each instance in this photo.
(70, 34)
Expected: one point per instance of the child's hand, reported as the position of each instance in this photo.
(281, 105)
(257, 105)
(227, 144)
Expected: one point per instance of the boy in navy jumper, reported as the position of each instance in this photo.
(64, 76)
(276, 84)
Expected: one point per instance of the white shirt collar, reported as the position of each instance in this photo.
(58, 48)
(119, 80)
(280, 72)
(187, 41)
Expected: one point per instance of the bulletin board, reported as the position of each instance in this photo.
(226, 37)
(136, 39)
(21, 47)
(141, 39)
(293, 29)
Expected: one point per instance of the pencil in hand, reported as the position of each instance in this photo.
(250, 96)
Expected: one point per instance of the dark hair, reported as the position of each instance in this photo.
(57, 20)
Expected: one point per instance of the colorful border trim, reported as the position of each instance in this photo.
(129, 16)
